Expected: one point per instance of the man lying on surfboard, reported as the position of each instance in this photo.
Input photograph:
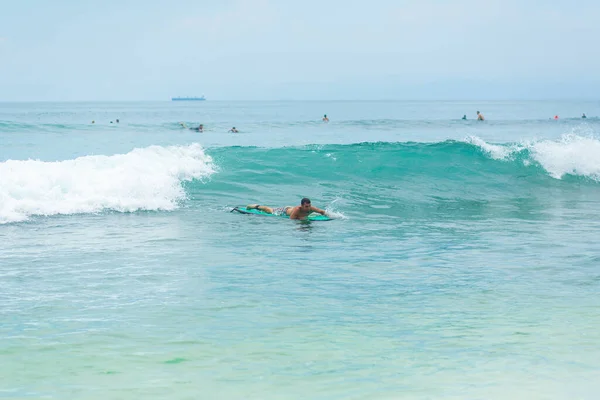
(298, 212)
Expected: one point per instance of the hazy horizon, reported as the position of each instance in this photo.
(262, 50)
(428, 100)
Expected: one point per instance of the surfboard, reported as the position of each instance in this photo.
(311, 217)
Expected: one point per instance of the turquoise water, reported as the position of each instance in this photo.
(463, 261)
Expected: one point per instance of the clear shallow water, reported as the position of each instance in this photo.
(463, 262)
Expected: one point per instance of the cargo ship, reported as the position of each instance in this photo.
(201, 98)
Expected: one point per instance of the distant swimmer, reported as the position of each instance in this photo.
(93, 122)
(298, 212)
(556, 117)
(583, 116)
(233, 130)
(117, 120)
(480, 116)
(325, 119)
(200, 128)
(464, 117)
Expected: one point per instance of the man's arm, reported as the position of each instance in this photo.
(317, 210)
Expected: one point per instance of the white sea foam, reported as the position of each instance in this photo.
(332, 211)
(571, 154)
(497, 152)
(143, 179)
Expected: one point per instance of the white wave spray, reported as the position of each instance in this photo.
(571, 154)
(143, 179)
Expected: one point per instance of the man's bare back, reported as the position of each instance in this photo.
(295, 212)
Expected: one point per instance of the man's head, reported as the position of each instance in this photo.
(305, 203)
(478, 113)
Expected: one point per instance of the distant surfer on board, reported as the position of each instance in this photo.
(200, 127)
(298, 212)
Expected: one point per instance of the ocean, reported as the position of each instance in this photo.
(462, 262)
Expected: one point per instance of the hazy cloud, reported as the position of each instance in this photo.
(264, 49)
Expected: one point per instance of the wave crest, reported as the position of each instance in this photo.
(143, 179)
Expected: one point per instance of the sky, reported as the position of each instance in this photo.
(299, 50)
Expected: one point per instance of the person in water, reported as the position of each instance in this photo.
(233, 130)
(464, 117)
(480, 116)
(200, 127)
(298, 212)
(325, 119)
(583, 116)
